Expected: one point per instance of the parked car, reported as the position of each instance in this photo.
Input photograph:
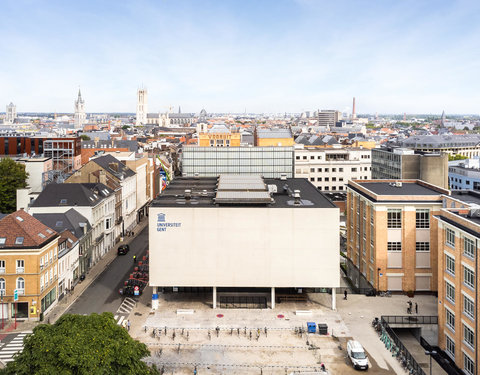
(357, 355)
(123, 249)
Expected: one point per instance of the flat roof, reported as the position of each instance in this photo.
(204, 191)
(467, 196)
(407, 188)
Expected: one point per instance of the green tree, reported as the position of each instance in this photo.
(456, 157)
(81, 345)
(12, 177)
(125, 127)
(85, 137)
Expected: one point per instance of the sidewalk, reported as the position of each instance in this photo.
(62, 306)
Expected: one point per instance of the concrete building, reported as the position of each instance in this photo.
(464, 174)
(10, 114)
(80, 116)
(96, 202)
(391, 244)
(458, 268)
(403, 163)
(328, 118)
(28, 263)
(465, 144)
(330, 169)
(142, 107)
(37, 169)
(270, 162)
(243, 235)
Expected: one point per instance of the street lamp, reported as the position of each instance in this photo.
(378, 280)
(430, 353)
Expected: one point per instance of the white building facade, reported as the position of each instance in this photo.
(330, 169)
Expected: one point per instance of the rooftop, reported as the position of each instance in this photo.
(399, 188)
(88, 194)
(71, 220)
(21, 230)
(274, 133)
(468, 196)
(241, 191)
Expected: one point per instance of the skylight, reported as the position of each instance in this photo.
(70, 240)
(2, 241)
(19, 241)
(49, 231)
(63, 201)
(19, 218)
(42, 235)
(59, 223)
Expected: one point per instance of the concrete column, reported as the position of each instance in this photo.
(273, 298)
(334, 299)
(155, 298)
(214, 297)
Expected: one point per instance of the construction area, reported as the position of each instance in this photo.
(186, 334)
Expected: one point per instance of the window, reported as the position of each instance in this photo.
(468, 247)
(450, 319)
(468, 277)
(326, 169)
(312, 179)
(19, 241)
(327, 179)
(108, 223)
(340, 179)
(468, 336)
(296, 157)
(340, 169)
(319, 169)
(450, 347)
(468, 307)
(326, 188)
(450, 264)
(20, 266)
(312, 157)
(422, 246)
(2, 241)
(423, 218)
(394, 246)
(21, 285)
(2, 266)
(449, 292)
(334, 169)
(354, 169)
(394, 218)
(319, 179)
(450, 237)
(468, 365)
(312, 170)
(41, 282)
(2, 286)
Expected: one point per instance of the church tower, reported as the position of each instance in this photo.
(142, 107)
(11, 114)
(80, 115)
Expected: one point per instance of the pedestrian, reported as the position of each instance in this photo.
(124, 324)
(416, 308)
(195, 371)
(128, 325)
(345, 294)
(217, 329)
(134, 259)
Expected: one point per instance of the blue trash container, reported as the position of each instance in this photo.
(311, 327)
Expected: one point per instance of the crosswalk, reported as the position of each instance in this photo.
(16, 345)
(127, 305)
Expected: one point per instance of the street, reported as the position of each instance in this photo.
(102, 295)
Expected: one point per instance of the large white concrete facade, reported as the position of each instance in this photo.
(245, 247)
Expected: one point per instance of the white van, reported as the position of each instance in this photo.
(357, 355)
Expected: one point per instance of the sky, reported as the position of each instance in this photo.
(262, 56)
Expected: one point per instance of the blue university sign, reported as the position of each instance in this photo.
(163, 225)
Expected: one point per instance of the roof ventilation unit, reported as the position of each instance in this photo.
(398, 184)
(188, 194)
(283, 176)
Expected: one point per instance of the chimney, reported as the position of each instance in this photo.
(103, 177)
(296, 197)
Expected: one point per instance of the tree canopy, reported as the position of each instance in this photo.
(81, 345)
(85, 137)
(12, 177)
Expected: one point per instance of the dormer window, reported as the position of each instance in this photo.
(2, 241)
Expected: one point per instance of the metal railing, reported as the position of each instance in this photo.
(410, 319)
(402, 349)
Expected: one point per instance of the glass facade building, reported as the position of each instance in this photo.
(269, 162)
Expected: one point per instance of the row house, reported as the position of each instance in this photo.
(107, 167)
(28, 267)
(94, 201)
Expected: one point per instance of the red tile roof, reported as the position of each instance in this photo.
(19, 225)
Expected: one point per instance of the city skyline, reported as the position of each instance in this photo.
(268, 57)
